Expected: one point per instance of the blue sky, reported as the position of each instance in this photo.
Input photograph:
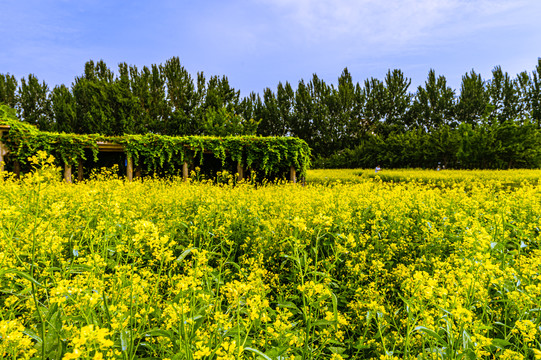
(261, 42)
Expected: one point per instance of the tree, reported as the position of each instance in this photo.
(182, 99)
(523, 85)
(475, 150)
(251, 107)
(473, 100)
(219, 93)
(35, 104)
(302, 122)
(158, 109)
(126, 106)
(433, 104)
(345, 115)
(222, 122)
(322, 134)
(445, 142)
(396, 101)
(140, 89)
(285, 97)
(270, 115)
(535, 95)
(502, 96)
(64, 112)
(8, 89)
(92, 92)
(373, 94)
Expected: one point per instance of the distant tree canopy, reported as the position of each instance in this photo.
(500, 116)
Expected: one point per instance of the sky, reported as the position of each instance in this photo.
(259, 43)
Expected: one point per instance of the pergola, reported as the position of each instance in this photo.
(104, 146)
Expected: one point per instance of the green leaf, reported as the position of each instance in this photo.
(184, 254)
(500, 343)
(257, 352)
(323, 322)
(22, 275)
(159, 332)
(432, 334)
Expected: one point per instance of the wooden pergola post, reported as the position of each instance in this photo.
(185, 171)
(17, 168)
(67, 173)
(80, 171)
(240, 171)
(129, 168)
(292, 174)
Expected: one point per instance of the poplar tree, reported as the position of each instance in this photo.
(8, 90)
(126, 105)
(64, 112)
(502, 97)
(93, 92)
(158, 108)
(285, 97)
(270, 115)
(251, 109)
(523, 84)
(34, 103)
(140, 89)
(373, 94)
(181, 99)
(433, 104)
(302, 122)
(535, 95)
(473, 100)
(344, 111)
(396, 101)
(222, 111)
(322, 135)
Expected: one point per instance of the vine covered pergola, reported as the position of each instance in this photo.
(266, 155)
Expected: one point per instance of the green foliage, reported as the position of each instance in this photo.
(34, 103)
(397, 99)
(535, 95)
(64, 112)
(484, 146)
(261, 154)
(222, 123)
(433, 104)
(8, 87)
(503, 96)
(473, 100)
(24, 140)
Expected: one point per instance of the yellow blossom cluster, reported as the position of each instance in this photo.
(14, 343)
(419, 265)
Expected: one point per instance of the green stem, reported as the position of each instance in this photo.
(32, 259)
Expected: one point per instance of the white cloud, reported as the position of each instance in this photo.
(392, 24)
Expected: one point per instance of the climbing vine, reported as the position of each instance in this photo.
(267, 155)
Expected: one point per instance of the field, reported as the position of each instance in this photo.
(403, 265)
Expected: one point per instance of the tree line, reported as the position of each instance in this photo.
(487, 123)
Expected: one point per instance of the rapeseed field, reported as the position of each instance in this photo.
(363, 269)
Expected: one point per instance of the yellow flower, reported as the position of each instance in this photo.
(511, 355)
(527, 329)
(75, 354)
